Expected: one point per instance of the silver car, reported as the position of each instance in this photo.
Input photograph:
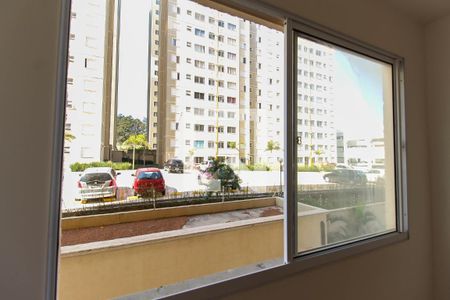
(96, 183)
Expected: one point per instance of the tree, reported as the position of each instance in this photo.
(127, 126)
(134, 142)
(272, 145)
(68, 136)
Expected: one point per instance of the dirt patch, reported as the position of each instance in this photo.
(109, 232)
(271, 211)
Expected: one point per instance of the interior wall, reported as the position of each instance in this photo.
(438, 94)
(27, 84)
(28, 43)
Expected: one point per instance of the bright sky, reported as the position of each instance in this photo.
(133, 60)
(359, 95)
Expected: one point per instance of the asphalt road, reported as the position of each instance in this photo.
(184, 182)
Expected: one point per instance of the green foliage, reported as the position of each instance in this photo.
(138, 141)
(79, 167)
(226, 175)
(315, 168)
(256, 167)
(272, 145)
(127, 126)
(68, 136)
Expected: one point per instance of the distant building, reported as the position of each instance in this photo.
(85, 79)
(370, 151)
(315, 100)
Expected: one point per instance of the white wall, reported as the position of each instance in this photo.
(27, 84)
(438, 93)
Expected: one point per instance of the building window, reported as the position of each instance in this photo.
(199, 96)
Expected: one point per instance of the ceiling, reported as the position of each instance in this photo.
(423, 11)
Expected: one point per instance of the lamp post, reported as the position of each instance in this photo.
(280, 161)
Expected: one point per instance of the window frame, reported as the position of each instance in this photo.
(293, 263)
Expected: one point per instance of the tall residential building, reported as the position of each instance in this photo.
(215, 86)
(220, 86)
(316, 103)
(89, 78)
(85, 80)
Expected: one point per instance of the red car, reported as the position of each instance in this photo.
(147, 180)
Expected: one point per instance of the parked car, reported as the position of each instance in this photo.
(375, 175)
(346, 176)
(174, 165)
(97, 183)
(147, 181)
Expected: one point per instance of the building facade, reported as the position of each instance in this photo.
(315, 121)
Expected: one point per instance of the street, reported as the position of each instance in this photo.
(183, 182)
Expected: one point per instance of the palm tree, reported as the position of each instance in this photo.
(137, 141)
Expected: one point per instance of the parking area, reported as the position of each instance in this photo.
(185, 182)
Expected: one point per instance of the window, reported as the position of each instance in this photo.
(231, 100)
(198, 79)
(354, 196)
(199, 127)
(199, 64)
(199, 111)
(231, 56)
(199, 96)
(199, 144)
(199, 17)
(231, 27)
(199, 48)
(231, 129)
(199, 32)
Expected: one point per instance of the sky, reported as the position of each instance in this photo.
(358, 90)
(358, 95)
(133, 58)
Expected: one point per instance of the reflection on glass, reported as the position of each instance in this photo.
(345, 152)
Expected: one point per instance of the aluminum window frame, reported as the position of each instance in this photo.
(293, 263)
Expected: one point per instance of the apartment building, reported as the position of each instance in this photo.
(214, 87)
(85, 81)
(220, 90)
(316, 121)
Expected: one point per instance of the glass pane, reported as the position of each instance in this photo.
(173, 149)
(345, 155)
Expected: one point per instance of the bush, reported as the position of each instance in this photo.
(223, 172)
(315, 168)
(257, 167)
(80, 167)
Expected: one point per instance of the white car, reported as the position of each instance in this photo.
(97, 183)
(375, 175)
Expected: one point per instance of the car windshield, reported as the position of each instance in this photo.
(95, 177)
(149, 175)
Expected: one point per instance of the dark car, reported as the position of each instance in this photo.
(174, 166)
(346, 176)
